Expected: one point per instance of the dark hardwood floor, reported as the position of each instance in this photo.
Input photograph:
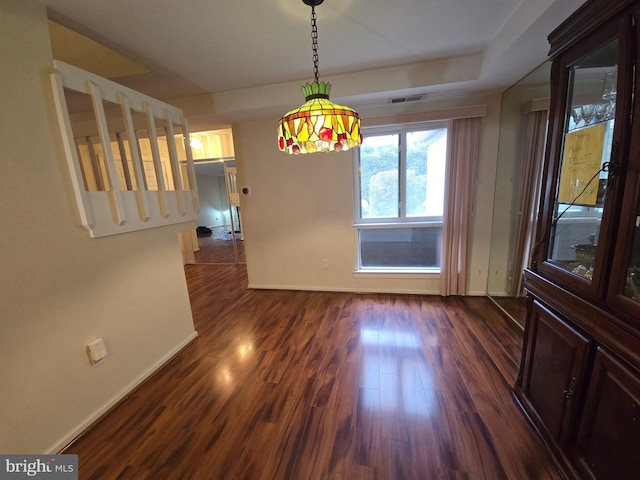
(514, 307)
(314, 385)
(218, 251)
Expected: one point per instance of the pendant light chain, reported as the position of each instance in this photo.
(319, 125)
(314, 42)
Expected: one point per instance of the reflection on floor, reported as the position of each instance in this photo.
(213, 250)
(514, 307)
(323, 385)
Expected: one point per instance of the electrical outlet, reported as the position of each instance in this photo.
(97, 352)
(325, 263)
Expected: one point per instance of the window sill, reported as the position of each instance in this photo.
(395, 223)
(396, 273)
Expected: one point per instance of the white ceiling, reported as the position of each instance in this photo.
(248, 57)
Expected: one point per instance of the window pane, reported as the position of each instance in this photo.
(379, 176)
(417, 247)
(425, 171)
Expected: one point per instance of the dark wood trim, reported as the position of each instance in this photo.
(582, 22)
(625, 307)
(559, 93)
(606, 328)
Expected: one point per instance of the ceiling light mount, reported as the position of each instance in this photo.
(319, 125)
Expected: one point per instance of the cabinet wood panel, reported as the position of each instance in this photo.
(609, 437)
(555, 362)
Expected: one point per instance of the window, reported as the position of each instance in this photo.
(400, 197)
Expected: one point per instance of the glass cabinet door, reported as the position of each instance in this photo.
(632, 284)
(587, 139)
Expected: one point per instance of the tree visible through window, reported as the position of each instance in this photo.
(401, 197)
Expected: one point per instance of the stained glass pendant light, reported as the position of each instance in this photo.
(319, 125)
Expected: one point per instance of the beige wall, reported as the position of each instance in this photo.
(301, 211)
(61, 289)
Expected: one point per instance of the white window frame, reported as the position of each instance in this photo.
(401, 221)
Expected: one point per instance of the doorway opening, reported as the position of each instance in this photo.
(218, 238)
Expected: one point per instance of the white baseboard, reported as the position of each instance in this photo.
(67, 439)
(254, 286)
(400, 291)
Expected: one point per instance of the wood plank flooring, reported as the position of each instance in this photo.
(217, 251)
(515, 307)
(315, 385)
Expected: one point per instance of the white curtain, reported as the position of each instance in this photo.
(533, 158)
(464, 140)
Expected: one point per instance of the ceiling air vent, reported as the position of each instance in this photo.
(411, 98)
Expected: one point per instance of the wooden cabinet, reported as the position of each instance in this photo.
(608, 443)
(554, 372)
(579, 379)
